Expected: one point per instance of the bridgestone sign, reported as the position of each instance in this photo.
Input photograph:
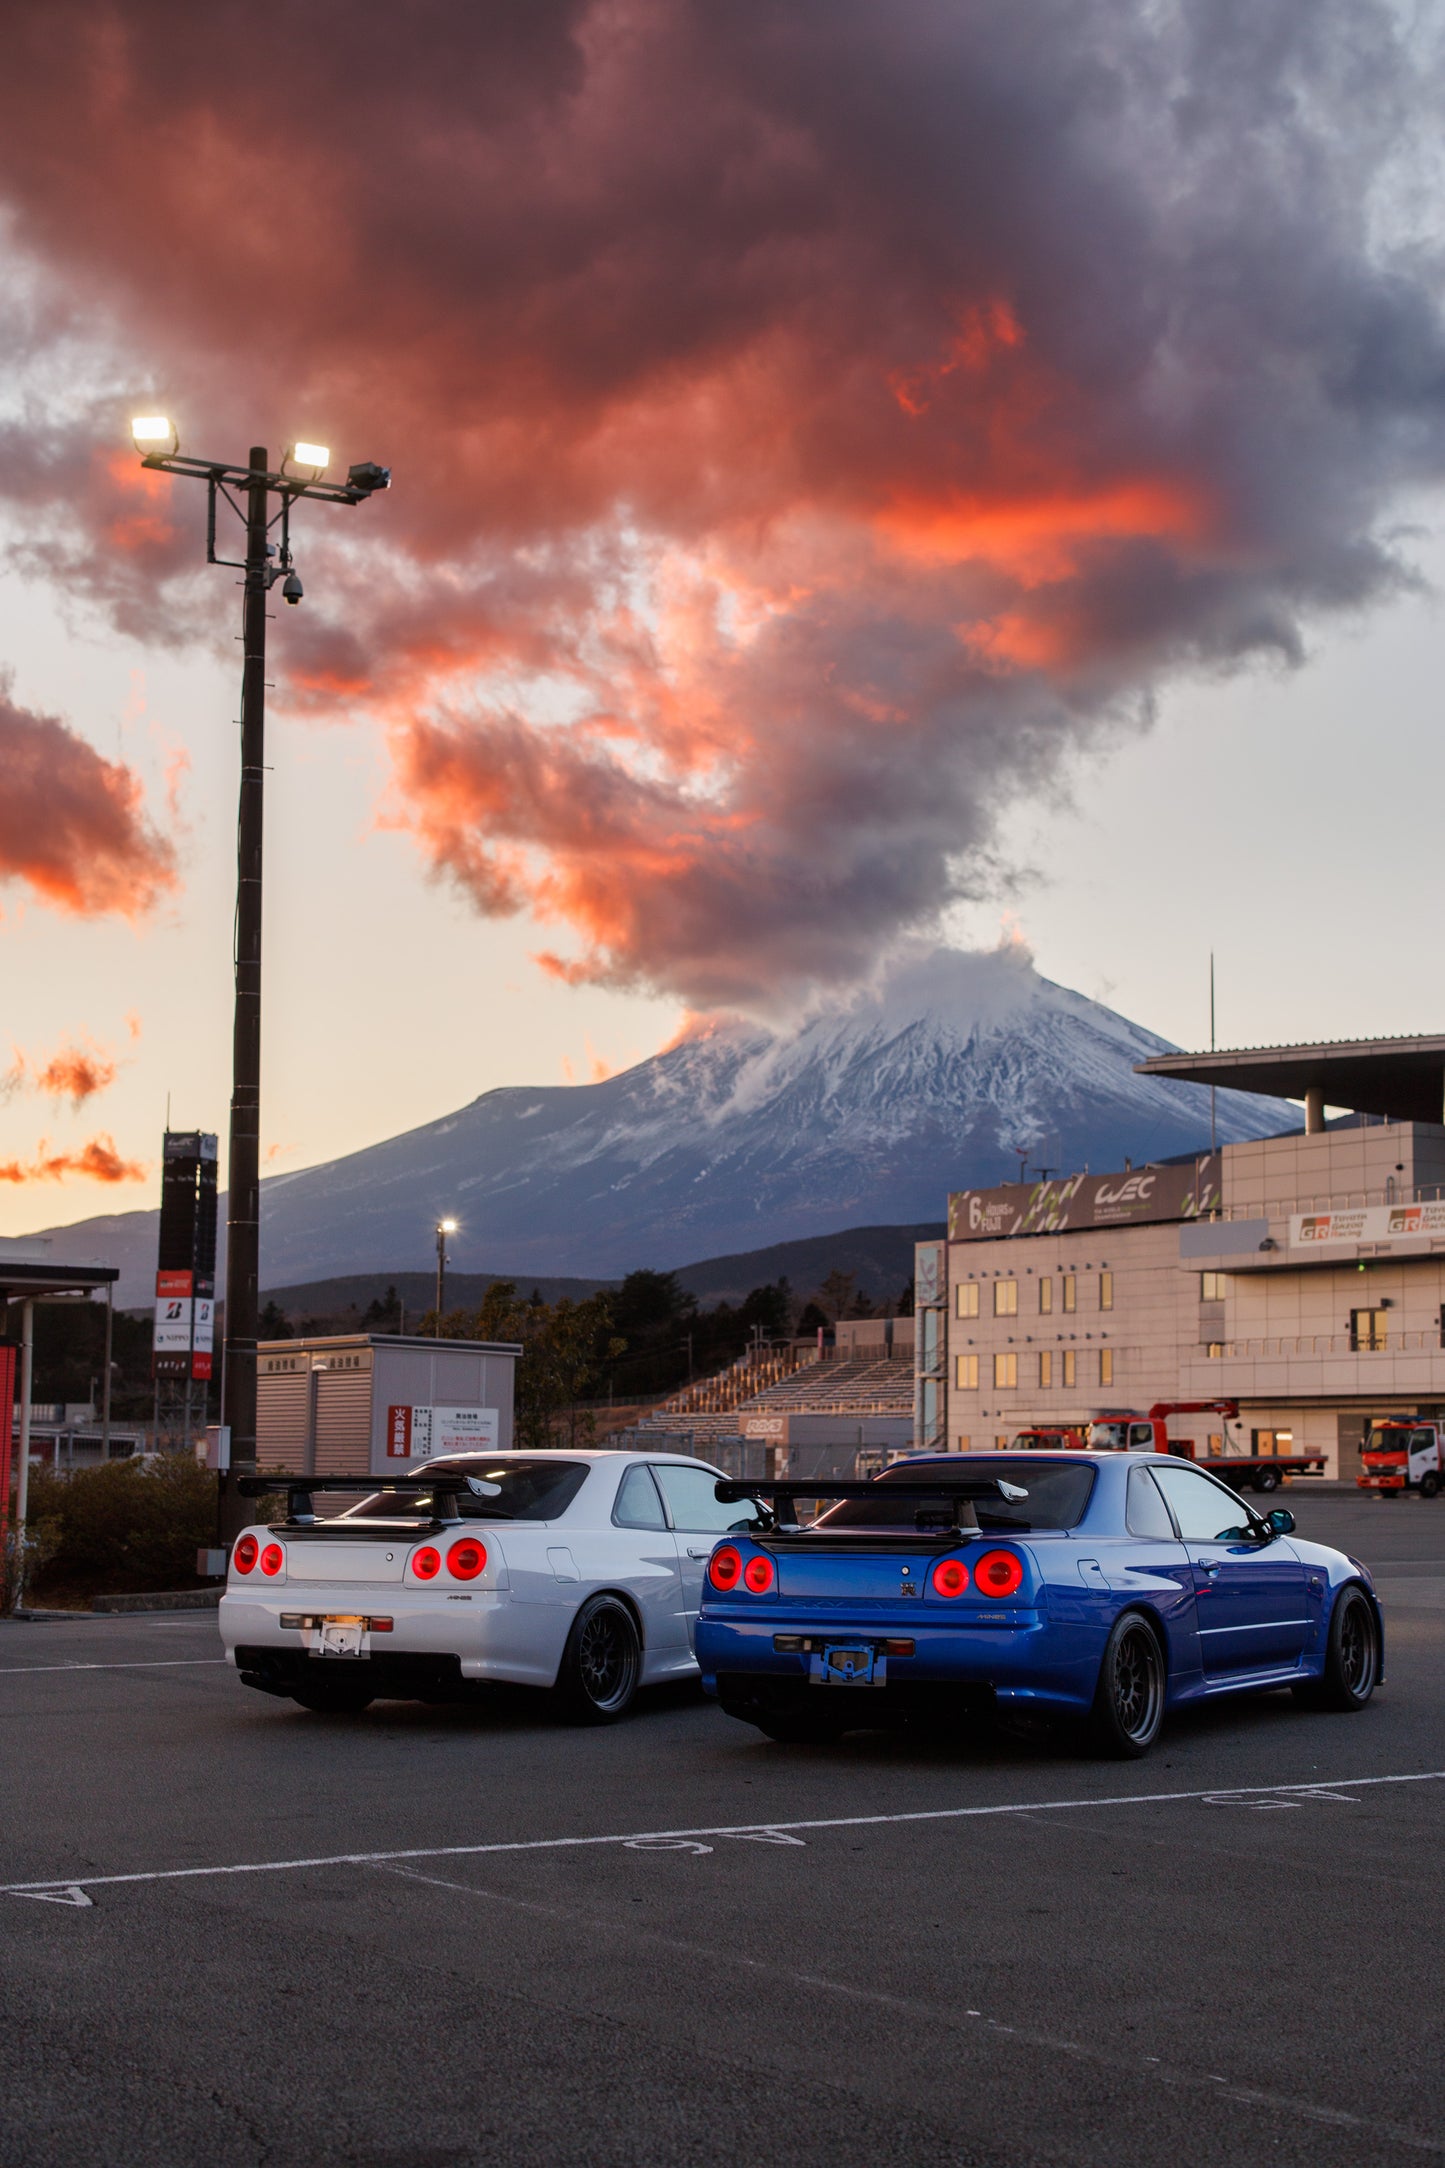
(1086, 1201)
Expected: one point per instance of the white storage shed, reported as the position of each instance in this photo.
(364, 1403)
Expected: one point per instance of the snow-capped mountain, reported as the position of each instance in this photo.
(739, 1135)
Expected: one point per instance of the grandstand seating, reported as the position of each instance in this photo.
(788, 1382)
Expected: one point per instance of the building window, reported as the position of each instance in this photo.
(1212, 1286)
(1106, 1366)
(1214, 1350)
(1367, 1331)
(1046, 1304)
(1106, 1290)
(968, 1298)
(1006, 1370)
(1270, 1443)
(962, 1445)
(1071, 1291)
(1071, 1366)
(1216, 1443)
(1005, 1298)
(965, 1373)
(1002, 1440)
(1046, 1367)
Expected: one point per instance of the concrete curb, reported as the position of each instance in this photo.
(175, 1599)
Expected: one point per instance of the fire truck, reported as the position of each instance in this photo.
(1129, 1433)
(1401, 1455)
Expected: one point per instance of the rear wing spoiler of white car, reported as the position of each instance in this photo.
(949, 1499)
(445, 1488)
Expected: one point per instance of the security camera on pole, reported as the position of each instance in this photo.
(299, 475)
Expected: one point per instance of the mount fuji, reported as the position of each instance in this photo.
(739, 1135)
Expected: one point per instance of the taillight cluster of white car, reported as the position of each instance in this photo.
(464, 1560)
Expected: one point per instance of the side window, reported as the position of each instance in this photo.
(1147, 1514)
(1205, 1510)
(1141, 1437)
(694, 1507)
(638, 1505)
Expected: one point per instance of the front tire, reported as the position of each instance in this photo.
(1129, 1700)
(1429, 1484)
(1352, 1659)
(602, 1663)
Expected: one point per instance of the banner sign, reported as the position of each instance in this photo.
(1372, 1223)
(1085, 1201)
(414, 1433)
(184, 1325)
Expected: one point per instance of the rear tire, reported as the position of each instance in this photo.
(1129, 1700)
(323, 1698)
(1352, 1659)
(1267, 1479)
(601, 1665)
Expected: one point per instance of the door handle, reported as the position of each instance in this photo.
(698, 1554)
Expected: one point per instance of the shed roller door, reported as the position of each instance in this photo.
(343, 1422)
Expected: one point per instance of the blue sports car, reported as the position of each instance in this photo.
(1106, 1588)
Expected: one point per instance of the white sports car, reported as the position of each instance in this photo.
(580, 1572)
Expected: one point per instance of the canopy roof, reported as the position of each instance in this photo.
(1401, 1079)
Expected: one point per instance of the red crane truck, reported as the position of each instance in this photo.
(1128, 1433)
(1399, 1455)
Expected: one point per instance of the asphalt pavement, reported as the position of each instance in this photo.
(432, 1938)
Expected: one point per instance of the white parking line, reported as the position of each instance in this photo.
(686, 1839)
(149, 1663)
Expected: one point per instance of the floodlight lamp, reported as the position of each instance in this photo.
(365, 477)
(315, 456)
(149, 432)
(446, 1227)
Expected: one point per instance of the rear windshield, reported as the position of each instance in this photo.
(1058, 1496)
(527, 1490)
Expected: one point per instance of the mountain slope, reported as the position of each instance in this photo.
(739, 1136)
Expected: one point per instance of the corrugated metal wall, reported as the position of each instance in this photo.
(343, 1422)
(283, 1392)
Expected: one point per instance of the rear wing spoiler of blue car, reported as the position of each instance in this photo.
(301, 1513)
(950, 1499)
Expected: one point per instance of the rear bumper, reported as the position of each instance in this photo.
(483, 1637)
(1027, 1664)
(405, 1677)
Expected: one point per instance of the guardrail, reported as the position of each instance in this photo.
(1322, 1343)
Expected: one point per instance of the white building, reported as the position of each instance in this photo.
(1303, 1276)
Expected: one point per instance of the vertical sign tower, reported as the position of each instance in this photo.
(185, 1288)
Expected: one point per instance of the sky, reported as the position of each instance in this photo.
(860, 473)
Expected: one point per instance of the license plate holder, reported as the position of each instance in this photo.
(342, 1637)
(846, 1663)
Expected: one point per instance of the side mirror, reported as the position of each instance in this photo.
(1280, 1522)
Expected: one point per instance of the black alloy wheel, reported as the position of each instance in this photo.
(1352, 1658)
(602, 1664)
(1129, 1702)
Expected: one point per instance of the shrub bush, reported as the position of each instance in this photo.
(127, 1526)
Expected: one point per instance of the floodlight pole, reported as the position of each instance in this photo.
(257, 483)
(243, 1216)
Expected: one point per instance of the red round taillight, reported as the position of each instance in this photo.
(426, 1563)
(950, 1577)
(273, 1558)
(725, 1567)
(758, 1575)
(998, 1573)
(465, 1560)
(247, 1551)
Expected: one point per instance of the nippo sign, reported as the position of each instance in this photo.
(1083, 1201)
(419, 1433)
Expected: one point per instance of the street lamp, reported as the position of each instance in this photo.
(158, 441)
(444, 1228)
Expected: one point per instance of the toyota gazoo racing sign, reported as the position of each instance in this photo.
(1138, 1195)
